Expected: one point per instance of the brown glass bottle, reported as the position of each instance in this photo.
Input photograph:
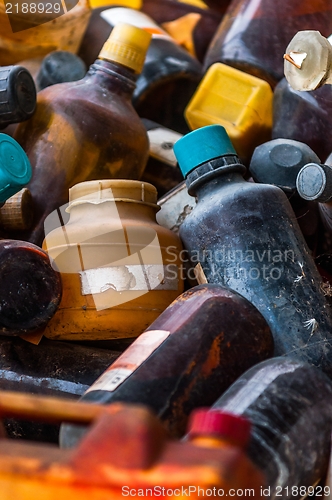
(253, 34)
(87, 129)
(206, 337)
(30, 288)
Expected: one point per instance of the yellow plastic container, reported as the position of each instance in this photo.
(37, 33)
(239, 102)
(131, 4)
(119, 268)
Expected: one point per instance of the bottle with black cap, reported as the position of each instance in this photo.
(278, 162)
(58, 67)
(17, 95)
(289, 405)
(245, 236)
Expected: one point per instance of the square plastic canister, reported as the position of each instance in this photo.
(240, 102)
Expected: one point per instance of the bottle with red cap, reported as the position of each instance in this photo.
(218, 429)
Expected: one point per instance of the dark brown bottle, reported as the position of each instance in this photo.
(303, 116)
(87, 129)
(50, 368)
(30, 288)
(206, 337)
(289, 404)
(253, 35)
(170, 74)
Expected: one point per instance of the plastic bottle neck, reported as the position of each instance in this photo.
(214, 174)
(112, 76)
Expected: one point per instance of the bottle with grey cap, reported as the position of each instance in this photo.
(245, 236)
(278, 162)
(289, 404)
(314, 182)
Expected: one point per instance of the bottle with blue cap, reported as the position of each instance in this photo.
(15, 168)
(245, 236)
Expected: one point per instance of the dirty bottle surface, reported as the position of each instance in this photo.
(245, 236)
(30, 290)
(197, 343)
(50, 368)
(169, 76)
(253, 35)
(288, 403)
(87, 129)
(119, 268)
(17, 95)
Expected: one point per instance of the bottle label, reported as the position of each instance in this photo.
(162, 141)
(130, 360)
(129, 278)
(136, 18)
(200, 275)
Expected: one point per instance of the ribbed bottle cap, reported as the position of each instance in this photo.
(201, 146)
(96, 192)
(204, 421)
(127, 45)
(15, 168)
(17, 95)
(314, 182)
(60, 66)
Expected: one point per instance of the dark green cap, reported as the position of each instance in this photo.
(201, 146)
(15, 168)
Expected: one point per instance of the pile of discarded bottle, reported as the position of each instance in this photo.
(166, 249)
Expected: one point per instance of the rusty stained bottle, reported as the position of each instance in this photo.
(30, 290)
(245, 236)
(50, 368)
(87, 129)
(169, 76)
(253, 34)
(206, 337)
(289, 404)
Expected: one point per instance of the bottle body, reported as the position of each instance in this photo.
(119, 268)
(253, 35)
(303, 116)
(290, 444)
(185, 347)
(81, 131)
(245, 236)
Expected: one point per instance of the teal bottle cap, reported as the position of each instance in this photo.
(201, 146)
(15, 168)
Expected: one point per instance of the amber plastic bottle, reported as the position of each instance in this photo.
(208, 336)
(169, 76)
(17, 95)
(87, 129)
(289, 404)
(119, 268)
(253, 35)
(51, 369)
(217, 429)
(245, 236)
(30, 290)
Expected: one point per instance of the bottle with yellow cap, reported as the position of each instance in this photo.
(87, 129)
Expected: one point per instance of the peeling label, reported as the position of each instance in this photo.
(130, 360)
(131, 277)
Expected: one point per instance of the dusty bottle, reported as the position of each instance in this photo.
(289, 404)
(245, 236)
(278, 162)
(17, 95)
(15, 168)
(119, 268)
(30, 290)
(169, 76)
(231, 433)
(253, 34)
(192, 344)
(58, 67)
(303, 116)
(29, 31)
(52, 369)
(87, 129)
